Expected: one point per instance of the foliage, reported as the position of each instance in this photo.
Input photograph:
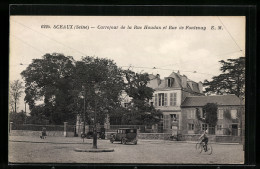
(49, 79)
(101, 83)
(63, 84)
(18, 118)
(232, 79)
(15, 91)
(209, 114)
(139, 111)
(37, 115)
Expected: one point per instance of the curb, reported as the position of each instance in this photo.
(94, 150)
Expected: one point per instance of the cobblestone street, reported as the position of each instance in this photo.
(62, 150)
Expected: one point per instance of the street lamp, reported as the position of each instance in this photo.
(84, 112)
(95, 118)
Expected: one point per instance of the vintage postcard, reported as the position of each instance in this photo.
(127, 89)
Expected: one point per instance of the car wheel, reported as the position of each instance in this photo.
(123, 141)
(112, 139)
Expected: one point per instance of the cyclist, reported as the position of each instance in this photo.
(205, 139)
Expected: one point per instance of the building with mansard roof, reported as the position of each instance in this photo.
(169, 94)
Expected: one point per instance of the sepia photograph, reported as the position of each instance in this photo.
(127, 89)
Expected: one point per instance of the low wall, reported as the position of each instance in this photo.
(214, 138)
(230, 139)
(148, 136)
(39, 133)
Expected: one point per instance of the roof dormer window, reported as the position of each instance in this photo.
(169, 82)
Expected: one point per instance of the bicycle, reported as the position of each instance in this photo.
(202, 147)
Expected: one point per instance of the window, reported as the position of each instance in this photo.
(173, 117)
(173, 99)
(169, 83)
(204, 127)
(220, 114)
(191, 114)
(151, 103)
(161, 99)
(219, 127)
(233, 114)
(190, 126)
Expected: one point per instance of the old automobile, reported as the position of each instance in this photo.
(125, 135)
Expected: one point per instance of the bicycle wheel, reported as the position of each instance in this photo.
(209, 149)
(199, 148)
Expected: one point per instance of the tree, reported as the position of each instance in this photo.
(209, 113)
(102, 82)
(232, 79)
(16, 90)
(49, 79)
(18, 118)
(140, 111)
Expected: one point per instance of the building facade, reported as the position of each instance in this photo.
(229, 114)
(168, 96)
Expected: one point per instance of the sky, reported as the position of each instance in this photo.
(193, 52)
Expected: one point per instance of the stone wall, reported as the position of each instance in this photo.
(39, 133)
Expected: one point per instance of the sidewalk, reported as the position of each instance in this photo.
(78, 140)
(52, 140)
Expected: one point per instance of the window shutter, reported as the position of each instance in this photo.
(233, 114)
(177, 117)
(155, 99)
(166, 123)
(165, 99)
(171, 99)
(174, 99)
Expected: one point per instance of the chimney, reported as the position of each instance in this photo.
(184, 81)
(158, 79)
(200, 87)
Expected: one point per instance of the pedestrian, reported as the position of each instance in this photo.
(43, 136)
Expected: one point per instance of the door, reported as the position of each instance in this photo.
(234, 128)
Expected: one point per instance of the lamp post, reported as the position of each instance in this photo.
(84, 113)
(95, 119)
